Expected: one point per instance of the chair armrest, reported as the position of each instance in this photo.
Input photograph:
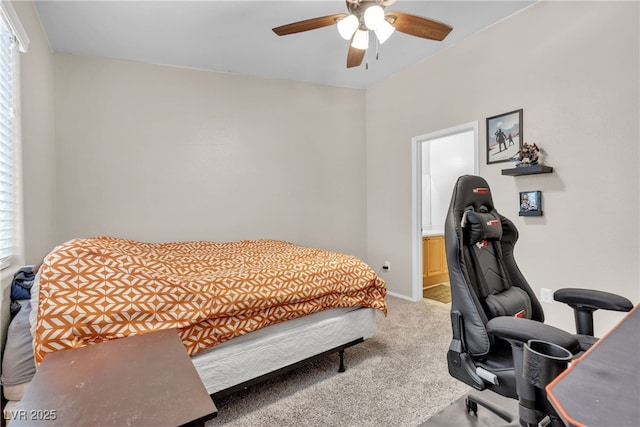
(592, 299)
(585, 301)
(519, 331)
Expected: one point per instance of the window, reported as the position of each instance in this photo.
(7, 144)
(12, 38)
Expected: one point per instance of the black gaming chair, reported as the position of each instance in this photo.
(496, 317)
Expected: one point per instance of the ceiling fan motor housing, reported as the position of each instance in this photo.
(359, 7)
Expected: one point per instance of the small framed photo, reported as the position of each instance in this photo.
(531, 203)
(504, 137)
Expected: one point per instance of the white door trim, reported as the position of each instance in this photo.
(416, 196)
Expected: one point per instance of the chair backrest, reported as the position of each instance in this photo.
(485, 279)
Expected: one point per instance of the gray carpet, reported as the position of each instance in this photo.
(397, 378)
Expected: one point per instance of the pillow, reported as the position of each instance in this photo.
(512, 302)
(481, 226)
(18, 365)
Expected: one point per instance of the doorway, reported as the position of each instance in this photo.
(439, 158)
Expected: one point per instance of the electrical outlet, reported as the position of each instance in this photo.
(387, 266)
(546, 295)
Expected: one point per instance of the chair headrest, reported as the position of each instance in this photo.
(472, 192)
(472, 206)
(480, 226)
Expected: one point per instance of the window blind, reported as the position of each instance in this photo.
(8, 205)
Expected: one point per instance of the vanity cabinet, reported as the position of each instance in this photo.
(434, 261)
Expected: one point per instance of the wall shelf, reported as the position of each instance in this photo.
(531, 213)
(527, 170)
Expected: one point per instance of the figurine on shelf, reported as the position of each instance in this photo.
(529, 155)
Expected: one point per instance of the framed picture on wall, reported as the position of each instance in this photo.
(504, 137)
(530, 203)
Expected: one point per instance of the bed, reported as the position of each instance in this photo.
(244, 310)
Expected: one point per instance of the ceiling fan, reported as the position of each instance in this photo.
(365, 16)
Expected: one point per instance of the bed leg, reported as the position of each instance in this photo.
(341, 368)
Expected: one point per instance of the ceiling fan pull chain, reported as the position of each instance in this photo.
(366, 62)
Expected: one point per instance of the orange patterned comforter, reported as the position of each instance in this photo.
(91, 290)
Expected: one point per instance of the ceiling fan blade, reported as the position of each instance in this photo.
(419, 26)
(308, 24)
(355, 56)
(387, 3)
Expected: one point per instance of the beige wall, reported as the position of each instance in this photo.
(573, 68)
(157, 153)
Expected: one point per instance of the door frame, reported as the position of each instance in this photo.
(417, 144)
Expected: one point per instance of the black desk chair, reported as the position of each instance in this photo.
(496, 318)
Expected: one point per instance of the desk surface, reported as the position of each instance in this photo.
(139, 380)
(602, 388)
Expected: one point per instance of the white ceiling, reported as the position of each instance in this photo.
(236, 37)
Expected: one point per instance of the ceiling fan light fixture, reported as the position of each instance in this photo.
(373, 17)
(347, 26)
(365, 16)
(361, 40)
(384, 31)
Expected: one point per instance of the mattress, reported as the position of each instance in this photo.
(266, 350)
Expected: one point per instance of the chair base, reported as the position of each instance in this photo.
(456, 414)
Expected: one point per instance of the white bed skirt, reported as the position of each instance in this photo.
(274, 347)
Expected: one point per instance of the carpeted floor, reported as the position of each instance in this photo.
(440, 292)
(397, 378)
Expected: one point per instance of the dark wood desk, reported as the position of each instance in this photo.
(602, 388)
(142, 380)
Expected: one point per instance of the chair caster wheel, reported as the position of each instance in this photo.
(471, 406)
